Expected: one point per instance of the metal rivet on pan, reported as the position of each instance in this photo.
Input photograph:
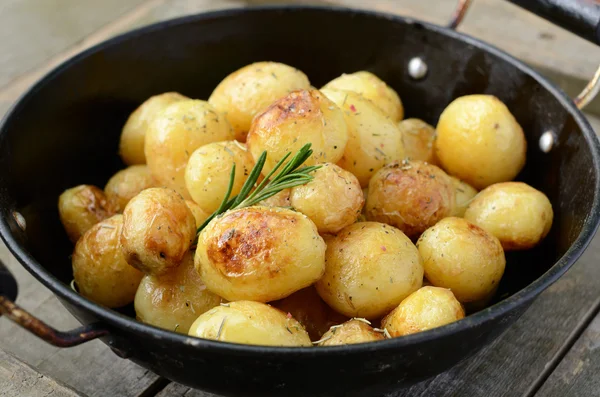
(20, 220)
(417, 68)
(547, 141)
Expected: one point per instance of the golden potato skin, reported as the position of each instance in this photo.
(281, 199)
(370, 268)
(352, 331)
(427, 308)
(373, 139)
(174, 300)
(249, 90)
(175, 133)
(259, 253)
(301, 117)
(208, 172)
(374, 89)
(81, 207)
(411, 196)
(158, 229)
(516, 213)
(418, 139)
(463, 194)
(126, 184)
(250, 323)
(332, 200)
(462, 257)
(131, 147)
(479, 141)
(99, 267)
(199, 215)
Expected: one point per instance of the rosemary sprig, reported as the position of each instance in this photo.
(275, 181)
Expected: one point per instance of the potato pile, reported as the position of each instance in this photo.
(399, 227)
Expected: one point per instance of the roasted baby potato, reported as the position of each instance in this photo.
(411, 196)
(352, 331)
(249, 90)
(418, 139)
(175, 133)
(373, 139)
(427, 308)
(299, 118)
(199, 215)
(479, 141)
(374, 89)
(281, 199)
(370, 268)
(174, 300)
(332, 200)
(133, 136)
(158, 229)
(250, 323)
(99, 268)
(462, 257)
(517, 214)
(208, 172)
(82, 207)
(259, 253)
(126, 184)
(463, 194)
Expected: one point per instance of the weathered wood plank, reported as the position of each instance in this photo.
(19, 379)
(578, 374)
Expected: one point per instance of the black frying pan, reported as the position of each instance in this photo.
(64, 131)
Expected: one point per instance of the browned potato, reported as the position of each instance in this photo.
(299, 118)
(126, 184)
(479, 141)
(464, 194)
(158, 229)
(199, 215)
(249, 90)
(370, 269)
(353, 331)
(517, 214)
(418, 139)
(133, 136)
(373, 139)
(372, 88)
(250, 323)
(332, 200)
(260, 254)
(427, 308)
(174, 300)
(411, 196)
(82, 207)
(175, 133)
(99, 268)
(462, 257)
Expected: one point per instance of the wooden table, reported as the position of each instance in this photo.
(554, 350)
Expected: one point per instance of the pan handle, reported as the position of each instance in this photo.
(581, 17)
(8, 293)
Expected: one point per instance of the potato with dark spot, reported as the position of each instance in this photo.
(250, 323)
(249, 90)
(259, 253)
(462, 257)
(199, 215)
(370, 268)
(516, 213)
(427, 308)
(332, 200)
(174, 300)
(373, 139)
(281, 199)
(133, 136)
(411, 196)
(158, 229)
(82, 207)
(418, 139)
(126, 184)
(464, 194)
(99, 267)
(352, 331)
(299, 118)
